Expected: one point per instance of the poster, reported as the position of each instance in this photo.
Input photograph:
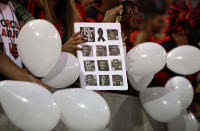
(102, 57)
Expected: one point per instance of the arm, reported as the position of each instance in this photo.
(111, 14)
(180, 39)
(71, 45)
(9, 70)
(141, 37)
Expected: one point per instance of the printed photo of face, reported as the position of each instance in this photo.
(104, 80)
(114, 50)
(112, 34)
(117, 80)
(87, 50)
(91, 80)
(89, 65)
(116, 64)
(101, 50)
(103, 65)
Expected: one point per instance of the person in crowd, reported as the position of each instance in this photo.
(82, 6)
(56, 12)
(178, 33)
(154, 23)
(11, 64)
(184, 29)
(132, 20)
(153, 30)
(104, 10)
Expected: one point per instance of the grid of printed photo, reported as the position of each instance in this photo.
(102, 57)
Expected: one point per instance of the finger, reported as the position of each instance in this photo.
(76, 34)
(76, 48)
(78, 42)
(77, 38)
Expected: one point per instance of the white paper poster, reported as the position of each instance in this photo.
(102, 57)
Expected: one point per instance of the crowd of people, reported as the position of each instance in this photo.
(169, 23)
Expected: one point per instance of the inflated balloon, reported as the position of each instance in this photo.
(186, 122)
(184, 60)
(146, 59)
(39, 46)
(29, 106)
(82, 110)
(183, 89)
(64, 73)
(160, 103)
(138, 82)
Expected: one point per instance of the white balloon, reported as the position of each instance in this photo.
(160, 103)
(82, 110)
(39, 46)
(186, 122)
(29, 106)
(64, 73)
(138, 82)
(146, 59)
(184, 60)
(183, 89)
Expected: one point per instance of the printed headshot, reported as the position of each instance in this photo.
(104, 80)
(114, 50)
(87, 50)
(116, 64)
(101, 50)
(117, 80)
(103, 65)
(89, 33)
(112, 34)
(89, 65)
(91, 80)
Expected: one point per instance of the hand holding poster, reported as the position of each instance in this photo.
(102, 57)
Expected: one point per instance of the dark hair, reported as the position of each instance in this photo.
(125, 4)
(64, 11)
(152, 7)
(98, 2)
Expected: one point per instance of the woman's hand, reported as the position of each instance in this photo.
(72, 44)
(111, 14)
(180, 39)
